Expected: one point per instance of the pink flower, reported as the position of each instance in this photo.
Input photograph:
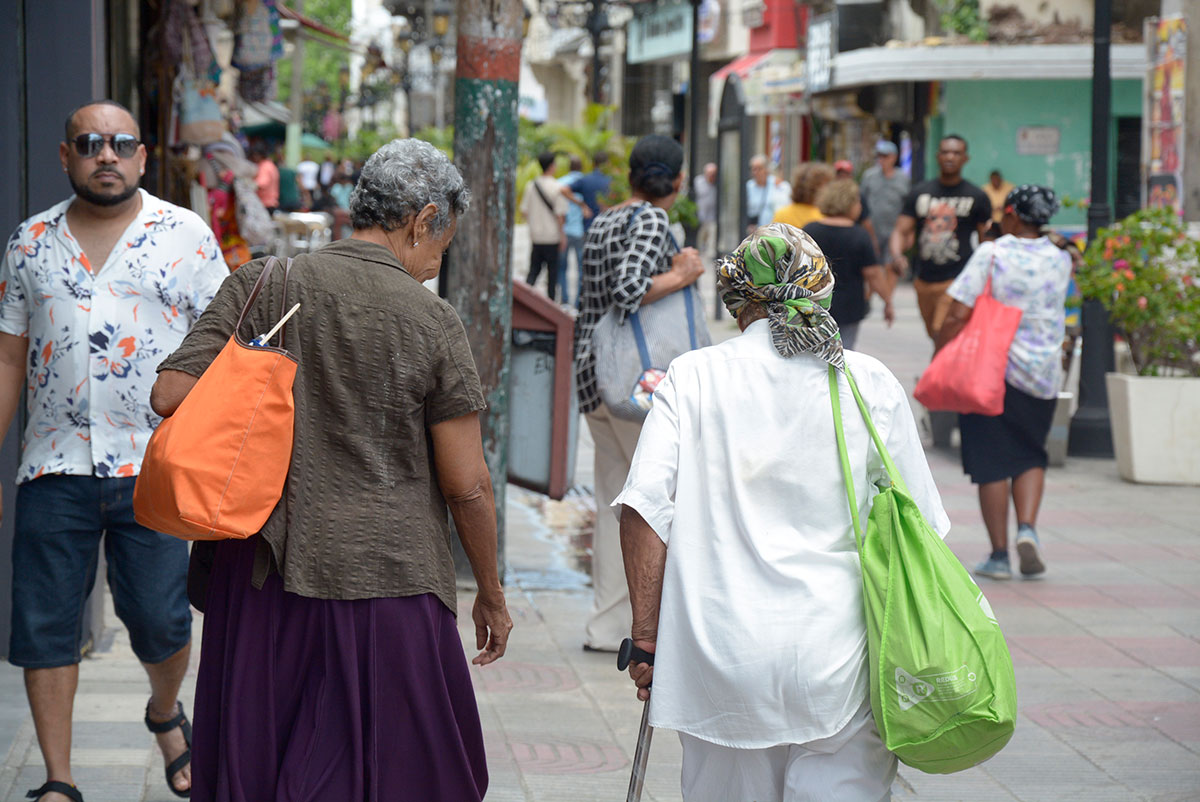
(1142, 302)
(1121, 264)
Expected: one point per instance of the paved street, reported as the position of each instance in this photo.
(1106, 647)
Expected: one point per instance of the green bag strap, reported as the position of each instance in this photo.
(888, 464)
(847, 474)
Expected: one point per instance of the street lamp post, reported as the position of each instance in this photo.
(597, 23)
(694, 92)
(1090, 433)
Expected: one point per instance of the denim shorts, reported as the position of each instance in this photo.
(59, 523)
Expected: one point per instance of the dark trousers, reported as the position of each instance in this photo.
(544, 256)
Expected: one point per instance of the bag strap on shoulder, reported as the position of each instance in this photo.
(888, 464)
(263, 278)
(639, 336)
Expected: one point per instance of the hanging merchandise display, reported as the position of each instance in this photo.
(258, 44)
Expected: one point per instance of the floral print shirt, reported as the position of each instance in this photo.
(97, 332)
(1033, 275)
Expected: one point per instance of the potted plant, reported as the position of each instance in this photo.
(1145, 270)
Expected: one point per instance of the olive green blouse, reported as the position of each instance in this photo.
(382, 359)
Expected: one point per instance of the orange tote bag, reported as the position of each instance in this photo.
(215, 469)
(967, 375)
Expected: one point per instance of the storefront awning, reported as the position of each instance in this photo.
(975, 62)
(770, 80)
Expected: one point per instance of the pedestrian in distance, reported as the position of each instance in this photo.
(1006, 454)
(94, 292)
(593, 187)
(941, 215)
(629, 260)
(884, 187)
(807, 180)
(852, 258)
(997, 189)
(266, 178)
(762, 195)
(545, 209)
(331, 665)
(307, 174)
(574, 229)
(844, 168)
(743, 571)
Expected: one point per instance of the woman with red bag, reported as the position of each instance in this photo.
(1006, 454)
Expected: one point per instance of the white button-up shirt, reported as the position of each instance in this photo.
(762, 635)
(97, 333)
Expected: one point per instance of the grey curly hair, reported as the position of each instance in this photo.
(400, 179)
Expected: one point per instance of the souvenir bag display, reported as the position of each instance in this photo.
(967, 374)
(943, 690)
(258, 43)
(215, 469)
(198, 117)
(632, 353)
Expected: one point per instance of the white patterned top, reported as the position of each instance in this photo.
(96, 334)
(1033, 275)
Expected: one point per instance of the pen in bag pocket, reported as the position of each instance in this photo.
(261, 340)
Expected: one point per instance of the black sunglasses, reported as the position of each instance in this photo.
(89, 145)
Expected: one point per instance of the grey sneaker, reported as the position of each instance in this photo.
(1030, 552)
(994, 569)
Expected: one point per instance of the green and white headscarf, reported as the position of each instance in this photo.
(782, 269)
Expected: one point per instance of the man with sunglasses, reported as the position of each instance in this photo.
(94, 293)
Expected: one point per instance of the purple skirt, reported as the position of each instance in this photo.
(314, 700)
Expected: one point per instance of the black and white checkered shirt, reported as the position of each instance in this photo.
(620, 258)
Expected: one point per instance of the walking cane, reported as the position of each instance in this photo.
(629, 653)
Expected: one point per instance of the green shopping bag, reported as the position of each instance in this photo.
(942, 685)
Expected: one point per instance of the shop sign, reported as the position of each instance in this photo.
(1163, 141)
(665, 32)
(1038, 140)
(710, 21)
(820, 53)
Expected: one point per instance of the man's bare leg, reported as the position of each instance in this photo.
(51, 693)
(165, 679)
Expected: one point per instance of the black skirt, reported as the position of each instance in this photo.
(1006, 445)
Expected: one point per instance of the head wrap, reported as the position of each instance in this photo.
(780, 268)
(1032, 204)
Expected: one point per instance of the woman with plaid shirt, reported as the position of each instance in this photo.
(629, 259)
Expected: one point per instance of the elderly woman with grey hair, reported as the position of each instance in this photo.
(331, 665)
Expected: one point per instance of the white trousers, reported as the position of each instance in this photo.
(611, 618)
(850, 766)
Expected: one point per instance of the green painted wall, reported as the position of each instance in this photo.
(988, 114)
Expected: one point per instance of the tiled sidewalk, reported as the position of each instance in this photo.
(1107, 653)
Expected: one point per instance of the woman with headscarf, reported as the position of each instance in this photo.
(1006, 454)
(331, 665)
(629, 259)
(735, 516)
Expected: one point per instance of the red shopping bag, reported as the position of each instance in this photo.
(967, 375)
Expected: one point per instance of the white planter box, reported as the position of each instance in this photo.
(1156, 428)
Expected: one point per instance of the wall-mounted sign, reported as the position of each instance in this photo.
(1038, 140)
(820, 53)
(710, 21)
(665, 32)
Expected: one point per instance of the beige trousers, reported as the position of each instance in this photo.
(611, 618)
(934, 303)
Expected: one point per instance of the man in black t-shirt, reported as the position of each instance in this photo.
(940, 215)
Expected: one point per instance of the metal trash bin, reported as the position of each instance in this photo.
(543, 413)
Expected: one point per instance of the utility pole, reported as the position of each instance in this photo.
(597, 22)
(295, 128)
(693, 133)
(478, 282)
(1090, 433)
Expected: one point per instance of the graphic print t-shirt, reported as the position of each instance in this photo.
(946, 216)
